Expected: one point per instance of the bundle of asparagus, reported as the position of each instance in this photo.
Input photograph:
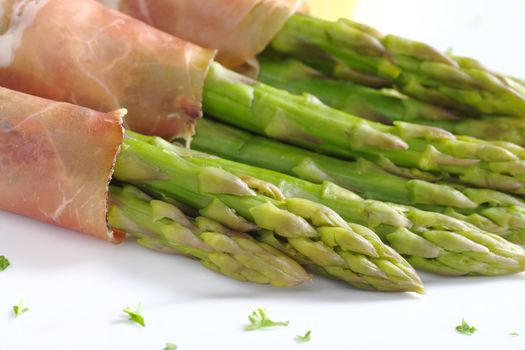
(489, 210)
(429, 241)
(310, 232)
(303, 120)
(360, 53)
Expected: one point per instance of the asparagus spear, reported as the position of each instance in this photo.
(441, 242)
(322, 238)
(384, 105)
(357, 52)
(489, 210)
(163, 227)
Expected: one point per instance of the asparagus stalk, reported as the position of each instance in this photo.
(434, 241)
(384, 105)
(357, 52)
(322, 238)
(163, 227)
(305, 121)
(489, 210)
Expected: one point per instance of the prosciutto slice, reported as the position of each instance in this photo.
(240, 29)
(82, 52)
(56, 160)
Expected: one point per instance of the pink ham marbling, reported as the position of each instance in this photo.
(56, 160)
(239, 29)
(82, 52)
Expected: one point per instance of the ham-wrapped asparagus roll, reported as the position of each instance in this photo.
(240, 29)
(82, 52)
(57, 160)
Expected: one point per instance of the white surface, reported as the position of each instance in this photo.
(76, 286)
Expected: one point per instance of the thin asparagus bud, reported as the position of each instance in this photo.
(384, 105)
(410, 231)
(163, 227)
(305, 121)
(350, 50)
(227, 199)
(476, 206)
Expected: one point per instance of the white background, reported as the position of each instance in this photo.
(76, 286)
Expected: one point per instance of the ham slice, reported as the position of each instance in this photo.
(82, 52)
(239, 29)
(57, 160)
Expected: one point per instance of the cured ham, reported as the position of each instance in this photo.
(57, 160)
(239, 29)
(82, 52)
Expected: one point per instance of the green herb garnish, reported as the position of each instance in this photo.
(514, 334)
(20, 309)
(170, 346)
(304, 338)
(259, 319)
(464, 328)
(135, 316)
(4, 263)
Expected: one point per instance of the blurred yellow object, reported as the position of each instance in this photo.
(332, 9)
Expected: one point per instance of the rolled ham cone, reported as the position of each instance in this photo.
(82, 52)
(57, 160)
(239, 29)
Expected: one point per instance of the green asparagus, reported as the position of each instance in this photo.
(307, 229)
(163, 227)
(384, 105)
(448, 245)
(489, 210)
(359, 53)
(305, 121)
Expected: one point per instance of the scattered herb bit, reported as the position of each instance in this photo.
(170, 346)
(514, 334)
(4, 263)
(20, 309)
(135, 316)
(304, 338)
(464, 328)
(259, 319)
